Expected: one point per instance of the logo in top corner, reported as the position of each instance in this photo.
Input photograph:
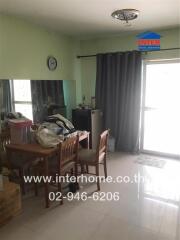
(148, 41)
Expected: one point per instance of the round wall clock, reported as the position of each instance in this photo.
(52, 63)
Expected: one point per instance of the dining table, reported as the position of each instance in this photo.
(35, 150)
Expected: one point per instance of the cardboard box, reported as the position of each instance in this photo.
(10, 201)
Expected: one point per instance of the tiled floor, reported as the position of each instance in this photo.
(148, 210)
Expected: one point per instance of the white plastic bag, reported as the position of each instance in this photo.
(47, 138)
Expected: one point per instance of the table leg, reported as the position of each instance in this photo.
(87, 142)
(9, 155)
(46, 184)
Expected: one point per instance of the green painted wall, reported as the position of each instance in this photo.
(24, 48)
(170, 38)
(70, 96)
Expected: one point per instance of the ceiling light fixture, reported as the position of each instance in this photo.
(125, 15)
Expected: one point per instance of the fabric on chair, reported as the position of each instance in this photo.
(118, 95)
(87, 155)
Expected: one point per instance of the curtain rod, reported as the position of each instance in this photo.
(165, 49)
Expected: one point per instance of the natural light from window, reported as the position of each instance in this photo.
(22, 97)
(162, 111)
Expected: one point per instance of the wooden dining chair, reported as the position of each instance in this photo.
(17, 162)
(90, 157)
(4, 140)
(66, 160)
(68, 155)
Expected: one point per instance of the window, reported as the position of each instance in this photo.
(161, 107)
(21, 97)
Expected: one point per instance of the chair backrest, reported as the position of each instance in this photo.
(102, 146)
(68, 151)
(4, 141)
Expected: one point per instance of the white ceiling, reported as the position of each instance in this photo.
(92, 17)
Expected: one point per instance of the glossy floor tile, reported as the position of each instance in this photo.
(148, 209)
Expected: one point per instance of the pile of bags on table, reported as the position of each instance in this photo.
(54, 130)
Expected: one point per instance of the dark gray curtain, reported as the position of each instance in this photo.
(6, 105)
(118, 94)
(45, 93)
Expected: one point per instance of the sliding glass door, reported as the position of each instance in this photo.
(161, 108)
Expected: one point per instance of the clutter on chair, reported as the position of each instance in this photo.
(54, 130)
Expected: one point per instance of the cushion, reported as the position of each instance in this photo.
(87, 155)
